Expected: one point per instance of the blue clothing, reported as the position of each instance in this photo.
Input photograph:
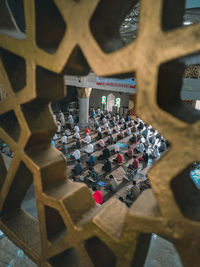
(92, 160)
(78, 169)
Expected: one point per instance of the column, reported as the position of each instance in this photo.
(132, 105)
(84, 95)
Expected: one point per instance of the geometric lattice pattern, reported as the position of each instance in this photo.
(72, 230)
(192, 71)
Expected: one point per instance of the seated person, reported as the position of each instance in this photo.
(64, 139)
(98, 197)
(101, 143)
(112, 122)
(134, 192)
(141, 125)
(119, 159)
(134, 127)
(110, 139)
(125, 125)
(109, 131)
(76, 155)
(87, 130)
(155, 153)
(135, 163)
(87, 138)
(91, 160)
(139, 148)
(104, 120)
(115, 148)
(105, 154)
(89, 149)
(146, 143)
(76, 128)
(107, 166)
(108, 115)
(105, 126)
(122, 120)
(78, 169)
(145, 132)
(130, 174)
(112, 184)
(76, 135)
(162, 146)
(133, 139)
(64, 148)
(128, 131)
(78, 144)
(130, 152)
(145, 156)
(117, 129)
(120, 135)
(117, 117)
(93, 174)
(67, 132)
(96, 123)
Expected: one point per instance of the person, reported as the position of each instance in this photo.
(135, 163)
(109, 115)
(64, 139)
(117, 129)
(59, 127)
(67, 132)
(101, 143)
(89, 149)
(155, 153)
(119, 159)
(145, 156)
(78, 168)
(120, 135)
(106, 125)
(128, 131)
(122, 120)
(91, 160)
(112, 184)
(93, 113)
(99, 112)
(62, 118)
(87, 138)
(70, 119)
(55, 137)
(64, 148)
(113, 123)
(98, 197)
(99, 132)
(87, 130)
(130, 152)
(141, 125)
(146, 143)
(134, 192)
(93, 174)
(107, 166)
(96, 123)
(76, 128)
(76, 155)
(162, 146)
(110, 139)
(145, 132)
(115, 148)
(125, 126)
(139, 147)
(78, 143)
(105, 154)
(117, 117)
(76, 135)
(54, 116)
(134, 128)
(130, 173)
(109, 131)
(104, 120)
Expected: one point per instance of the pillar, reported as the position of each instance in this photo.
(132, 106)
(84, 95)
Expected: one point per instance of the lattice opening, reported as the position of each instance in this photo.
(29, 203)
(15, 68)
(100, 253)
(55, 226)
(18, 189)
(10, 124)
(17, 9)
(6, 155)
(69, 257)
(12, 21)
(162, 253)
(187, 194)
(50, 26)
(108, 24)
(172, 87)
(77, 63)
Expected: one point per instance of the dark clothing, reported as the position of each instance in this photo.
(78, 169)
(78, 144)
(133, 139)
(146, 157)
(141, 125)
(107, 166)
(110, 140)
(106, 153)
(92, 160)
(99, 135)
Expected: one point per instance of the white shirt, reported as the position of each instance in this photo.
(140, 147)
(109, 131)
(67, 132)
(77, 135)
(89, 149)
(117, 117)
(59, 128)
(99, 111)
(76, 128)
(77, 154)
(71, 120)
(109, 116)
(54, 116)
(104, 120)
(87, 139)
(122, 120)
(117, 128)
(105, 125)
(64, 139)
(99, 129)
(116, 147)
(128, 131)
(55, 137)
(155, 153)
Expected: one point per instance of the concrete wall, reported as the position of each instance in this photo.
(95, 97)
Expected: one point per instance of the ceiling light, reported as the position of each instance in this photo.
(187, 23)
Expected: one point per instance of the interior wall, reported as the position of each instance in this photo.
(96, 94)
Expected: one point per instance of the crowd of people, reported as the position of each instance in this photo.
(107, 143)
